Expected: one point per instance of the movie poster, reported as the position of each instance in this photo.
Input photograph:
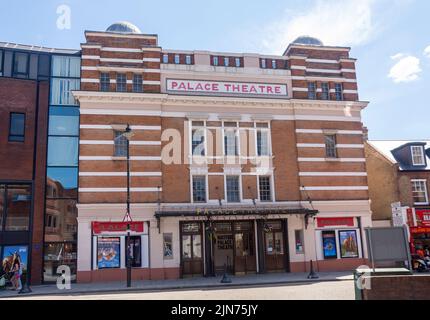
(12, 254)
(348, 244)
(108, 253)
(329, 244)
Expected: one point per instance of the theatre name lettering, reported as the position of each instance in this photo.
(227, 88)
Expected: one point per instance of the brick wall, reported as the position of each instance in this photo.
(415, 287)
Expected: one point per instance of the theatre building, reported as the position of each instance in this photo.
(245, 163)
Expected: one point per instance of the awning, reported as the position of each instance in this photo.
(234, 211)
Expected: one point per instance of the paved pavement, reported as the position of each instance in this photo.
(326, 290)
(184, 284)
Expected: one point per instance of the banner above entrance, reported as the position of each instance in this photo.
(117, 227)
(205, 87)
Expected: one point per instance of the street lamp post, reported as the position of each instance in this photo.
(128, 135)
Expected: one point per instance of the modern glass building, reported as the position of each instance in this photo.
(60, 246)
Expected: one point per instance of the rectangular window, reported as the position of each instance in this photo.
(299, 240)
(329, 244)
(177, 59)
(265, 188)
(63, 151)
(237, 62)
(61, 216)
(33, 65)
(338, 88)
(18, 208)
(104, 82)
(58, 254)
(263, 143)
(20, 65)
(198, 142)
(263, 63)
(137, 83)
(312, 91)
(418, 156)
(165, 58)
(2, 205)
(230, 142)
(7, 63)
(199, 188)
(215, 61)
(43, 68)
(63, 121)
(325, 94)
(61, 91)
(419, 192)
(330, 146)
(17, 127)
(274, 64)
(108, 253)
(120, 146)
(233, 189)
(226, 61)
(121, 82)
(167, 246)
(65, 66)
(188, 59)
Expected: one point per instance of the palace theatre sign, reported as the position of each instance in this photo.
(226, 88)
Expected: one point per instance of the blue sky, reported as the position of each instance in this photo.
(388, 37)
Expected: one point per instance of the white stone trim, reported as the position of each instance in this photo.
(151, 60)
(103, 190)
(321, 145)
(109, 127)
(333, 174)
(339, 188)
(318, 131)
(112, 49)
(119, 174)
(112, 142)
(112, 158)
(331, 160)
(87, 80)
(121, 60)
(90, 57)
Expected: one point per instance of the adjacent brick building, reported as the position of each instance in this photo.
(32, 91)
(245, 162)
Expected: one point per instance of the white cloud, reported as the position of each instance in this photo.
(335, 22)
(427, 52)
(406, 69)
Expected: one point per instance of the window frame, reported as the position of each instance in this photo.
(5, 213)
(120, 144)
(237, 62)
(121, 84)
(226, 61)
(263, 63)
(215, 61)
(235, 129)
(165, 58)
(312, 94)
(328, 148)
(338, 91)
(177, 58)
(1, 62)
(104, 81)
(274, 64)
(137, 85)
(10, 135)
(188, 59)
(269, 180)
(194, 191)
(325, 94)
(425, 191)
(422, 154)
(239, 188)
(15, 74)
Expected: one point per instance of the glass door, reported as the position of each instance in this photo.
(244, 258)
(274, 246)
(136, 251)
(191, 249)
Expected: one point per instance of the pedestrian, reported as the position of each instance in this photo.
(17, 273)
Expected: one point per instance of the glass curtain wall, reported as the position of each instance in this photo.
(62, 168)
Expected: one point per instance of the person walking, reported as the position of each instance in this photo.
(17, 274)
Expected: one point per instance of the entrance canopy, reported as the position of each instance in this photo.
(250, 212)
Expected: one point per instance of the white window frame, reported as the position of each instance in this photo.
(237, 62)
(236, 130)
(421, 148)
(188, 59)
(206, 187)
(166, 58)
(424, 182)
(272, 193)
(239, 176)
(269, 138)
(274, 64)
(226, 61)
(263, 63)
(177, 59)
(205, 142)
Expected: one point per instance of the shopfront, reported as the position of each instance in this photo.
(234, 243)
(419, 227)
(109, 245)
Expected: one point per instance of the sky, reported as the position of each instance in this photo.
(390, 39)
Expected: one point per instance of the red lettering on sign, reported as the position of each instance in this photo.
(335, 222)
(117, 227)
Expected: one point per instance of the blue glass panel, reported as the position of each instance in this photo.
(62, 182)
(65, 66)
(61, 91)
(63, 151)
(64, 121)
